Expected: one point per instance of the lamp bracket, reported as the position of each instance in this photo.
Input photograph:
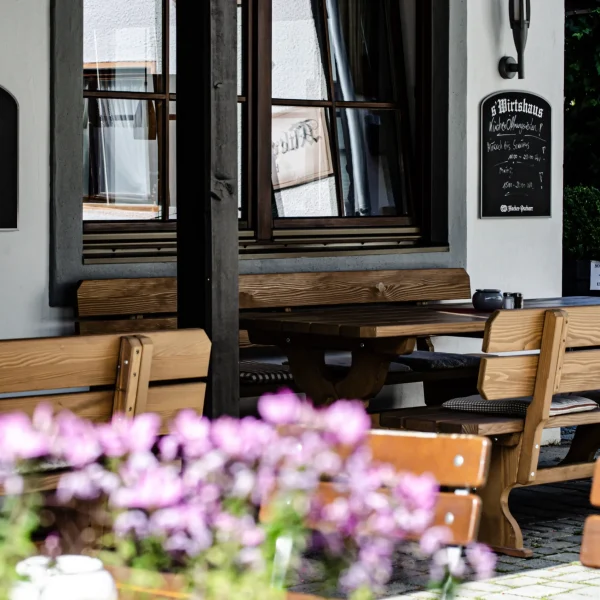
(508, 67)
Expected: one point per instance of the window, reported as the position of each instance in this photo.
(342, 119)
(330, 95)
(129, 121)
(327, 125)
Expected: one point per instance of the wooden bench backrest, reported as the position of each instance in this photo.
(124, 305)
(590, 544)
(458, 462)
(171, 364)
(553, 370)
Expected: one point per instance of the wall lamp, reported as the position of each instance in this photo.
(520, 19)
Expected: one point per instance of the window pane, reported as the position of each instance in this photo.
(120, 154)
(173, 46)
(240, 141)
(361, 45)
(372, 169)
(173, 160)
(298, 51)
(303, 171)
(240, 49)
(122, 45)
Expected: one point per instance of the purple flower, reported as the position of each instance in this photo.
(347, 422)
(43, 417)
(19, 440)
(225, 435)
(124, 435)
(14, 485)
(77, 440)
(417, 491)
(153, 488)
(192, 432)
(132, 521)
(79, 484)
(482, 559)
(283, 408)
(434, 539)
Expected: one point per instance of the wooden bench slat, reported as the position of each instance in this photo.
(580, 371)
(507, 376)
(424, 453)
(126, 325)
(60, 363)
(165, 400)
(514, 376)
(354, 287)
(127, 296)
(566, 473)
(517, 331)
(446, 421)
(459, 513)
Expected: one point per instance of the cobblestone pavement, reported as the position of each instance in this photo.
(551, 518)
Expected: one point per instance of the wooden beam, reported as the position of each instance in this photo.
(207, 229)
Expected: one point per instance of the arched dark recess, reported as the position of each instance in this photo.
(9, 161)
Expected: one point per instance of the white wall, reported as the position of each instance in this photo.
(24, 254)
(521, 254)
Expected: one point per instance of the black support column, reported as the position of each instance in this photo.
(207, 230)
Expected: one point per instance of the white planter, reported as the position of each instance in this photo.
(73, 578)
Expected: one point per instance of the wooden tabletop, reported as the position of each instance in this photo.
(386, 321)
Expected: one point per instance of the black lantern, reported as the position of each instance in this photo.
(520, 19)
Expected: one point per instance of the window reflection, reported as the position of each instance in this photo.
(120, 159)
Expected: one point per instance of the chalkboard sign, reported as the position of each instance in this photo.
(9, 154)
(516, 154)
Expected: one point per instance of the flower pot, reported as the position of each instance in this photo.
(171, 587)
(72, 578)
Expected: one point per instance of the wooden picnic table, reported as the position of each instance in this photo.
(374, 334)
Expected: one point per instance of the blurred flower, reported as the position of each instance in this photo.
(77, 440)
(417, 491)
(80, 485)
(131, 521)
(151, 488)
(347, 422)
(434, 539)
(19, 440)
(14, 485)
(191, 432)
(482, 560)
(283, 408)
(124, 435)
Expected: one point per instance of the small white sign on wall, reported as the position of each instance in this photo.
(595, 275)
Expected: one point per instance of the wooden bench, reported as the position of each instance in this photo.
(125, 305)
(590, 545)
(459, 463)
(160, 372)
(566, 363)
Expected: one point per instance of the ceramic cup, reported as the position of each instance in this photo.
(72, 578)
(487, 300)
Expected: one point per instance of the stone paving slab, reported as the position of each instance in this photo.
(574, 581)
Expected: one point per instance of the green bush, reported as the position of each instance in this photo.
(581, 230)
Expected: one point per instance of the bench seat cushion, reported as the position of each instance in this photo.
(438, 361)
(517, 407)
(264, 373)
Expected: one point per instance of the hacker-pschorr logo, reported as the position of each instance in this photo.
(512, 208)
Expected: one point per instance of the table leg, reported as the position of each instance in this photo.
(323, 385)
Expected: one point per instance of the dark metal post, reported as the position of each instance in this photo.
(207, 230)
